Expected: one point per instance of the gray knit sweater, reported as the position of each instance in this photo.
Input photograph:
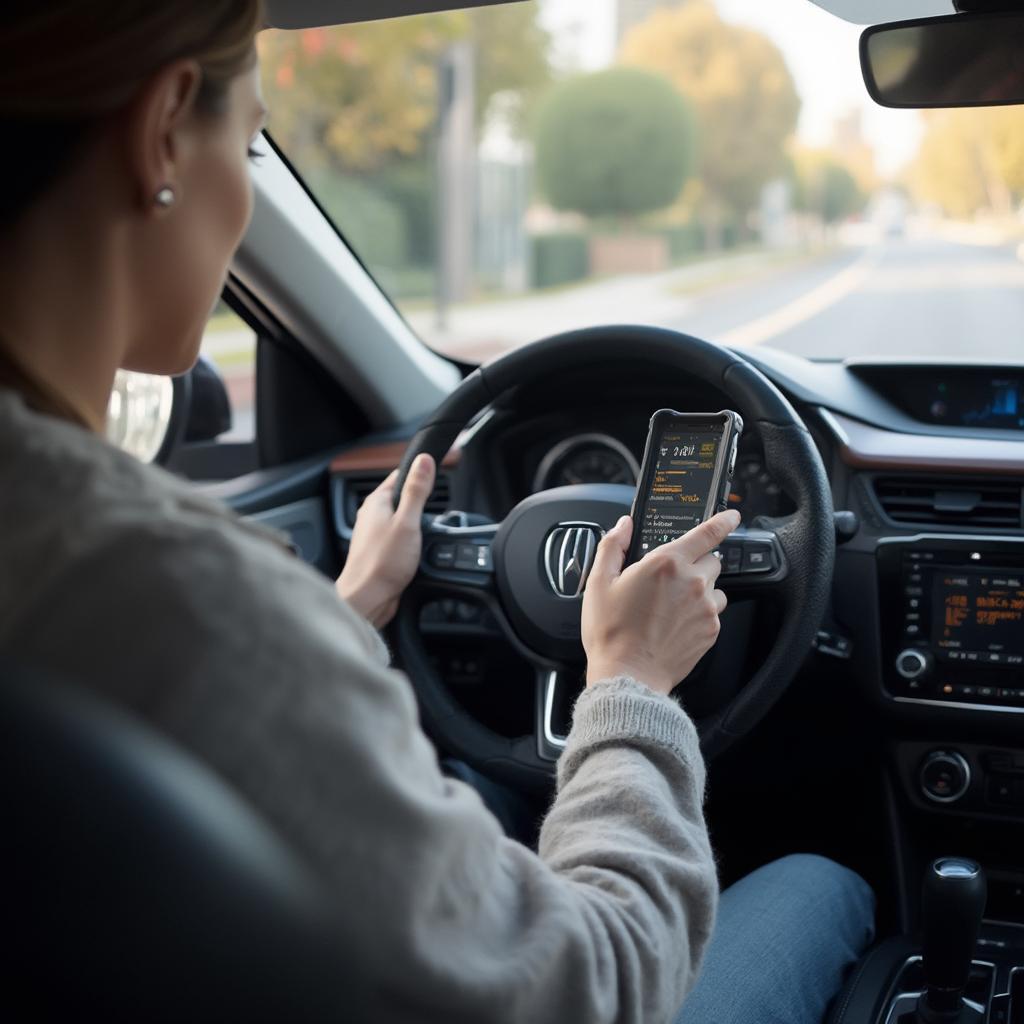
(116, 574)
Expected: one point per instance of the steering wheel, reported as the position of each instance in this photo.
(517, 568)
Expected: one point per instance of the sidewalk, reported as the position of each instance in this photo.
(480, 331)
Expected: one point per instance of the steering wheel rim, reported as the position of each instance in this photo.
(806, 538)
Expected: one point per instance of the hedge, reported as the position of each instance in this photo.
(559, 259)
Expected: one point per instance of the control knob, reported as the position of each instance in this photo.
(913, 663)
(944, 776)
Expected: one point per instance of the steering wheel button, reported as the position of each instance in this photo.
(442, 556)
(473, 557)
(757, 558)
(732, 557)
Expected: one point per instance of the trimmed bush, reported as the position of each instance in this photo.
(683, 241)
(559, 259)
(617, 143)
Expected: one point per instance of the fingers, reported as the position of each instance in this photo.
(384, 491)
(418, 485)
(709, 567)
(708, 535)
(612, 550)
(720, 600)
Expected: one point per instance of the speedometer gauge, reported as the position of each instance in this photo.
(755, 492)
(587, 459)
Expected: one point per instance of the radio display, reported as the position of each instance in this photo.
(978, 615)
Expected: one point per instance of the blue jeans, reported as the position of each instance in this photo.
(785, 938)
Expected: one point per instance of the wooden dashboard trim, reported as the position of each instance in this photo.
(381, 458)
(862, 446)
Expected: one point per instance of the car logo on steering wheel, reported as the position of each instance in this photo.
(569, 556)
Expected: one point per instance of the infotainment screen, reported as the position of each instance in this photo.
(974, 397)
(971, 401)
(978, 615)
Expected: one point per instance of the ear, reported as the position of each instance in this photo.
(159, 120)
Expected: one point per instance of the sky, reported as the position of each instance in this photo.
(820, 49)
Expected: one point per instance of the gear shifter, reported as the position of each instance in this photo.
(953, 904)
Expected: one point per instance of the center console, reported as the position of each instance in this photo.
(956, 971)
(951, 636)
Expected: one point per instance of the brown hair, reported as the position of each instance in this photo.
(66, 65)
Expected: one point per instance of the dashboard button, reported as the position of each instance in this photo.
(999, 761)
(913, 664)
(1002, 791)
(944, 776)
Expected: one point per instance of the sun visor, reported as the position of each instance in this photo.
(313, 13)
(874, 12)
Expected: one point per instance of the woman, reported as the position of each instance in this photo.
(127, 127)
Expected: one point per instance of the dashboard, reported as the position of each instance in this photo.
(602, 458)
(926, 461)
(920, 656)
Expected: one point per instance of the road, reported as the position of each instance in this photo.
(953, 293)
(902, 297)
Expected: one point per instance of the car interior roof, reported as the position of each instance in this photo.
(310, 13)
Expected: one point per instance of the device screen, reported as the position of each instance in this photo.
(679, 486)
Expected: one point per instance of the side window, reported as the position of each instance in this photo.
(140, 409)
(230, 344)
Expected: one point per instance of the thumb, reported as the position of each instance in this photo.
(418, 485)
(612, 550)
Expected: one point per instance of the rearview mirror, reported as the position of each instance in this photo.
(965, 60)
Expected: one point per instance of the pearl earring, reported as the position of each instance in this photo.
(165, 197)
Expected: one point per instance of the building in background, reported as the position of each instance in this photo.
(632, 12)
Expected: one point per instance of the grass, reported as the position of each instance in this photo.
(235, 359)
(220, 322)
(773, 261)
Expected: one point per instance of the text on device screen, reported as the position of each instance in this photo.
(683, 472)
(978, 616)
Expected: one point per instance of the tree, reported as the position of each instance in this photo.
(971, 160)
(614, 143)
(825, 186)
(740, 88)
(357, 97)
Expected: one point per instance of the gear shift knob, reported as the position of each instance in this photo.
(953, 905)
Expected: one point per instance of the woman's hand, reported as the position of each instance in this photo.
(655, 620)
(385, 550)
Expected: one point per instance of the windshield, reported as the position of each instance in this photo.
(718, 168)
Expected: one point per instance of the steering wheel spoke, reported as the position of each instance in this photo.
(557, 689)
(753, 562)
(458, 555)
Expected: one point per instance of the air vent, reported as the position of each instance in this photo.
(974, 504)
(357, 488)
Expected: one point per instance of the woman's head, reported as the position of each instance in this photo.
(127, 123)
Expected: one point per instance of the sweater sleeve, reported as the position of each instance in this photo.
(248, 658)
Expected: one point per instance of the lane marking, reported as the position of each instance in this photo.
(758, 331)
